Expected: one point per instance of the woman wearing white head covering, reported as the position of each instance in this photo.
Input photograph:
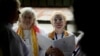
(29, 31)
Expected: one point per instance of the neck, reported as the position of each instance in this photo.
(26, 27)
(59, 31)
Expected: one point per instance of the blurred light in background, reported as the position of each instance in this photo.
(44, 14)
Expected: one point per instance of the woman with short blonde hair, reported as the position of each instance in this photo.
(58, 21)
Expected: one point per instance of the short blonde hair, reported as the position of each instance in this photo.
(55, 13)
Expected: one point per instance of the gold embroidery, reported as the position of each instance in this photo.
(52, 34)
(34, 39)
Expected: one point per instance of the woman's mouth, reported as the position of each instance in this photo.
(59, 26)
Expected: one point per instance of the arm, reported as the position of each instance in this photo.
(17, 46)
(24, 48)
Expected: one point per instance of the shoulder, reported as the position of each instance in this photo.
(4, 35)
(15, 27)
(4, 30)
(42, 31)
(70, 33)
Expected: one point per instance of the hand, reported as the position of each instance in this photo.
(49, 50)
(54, 51)
(57, 52)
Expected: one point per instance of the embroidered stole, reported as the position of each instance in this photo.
(35, 46)
(52, 34)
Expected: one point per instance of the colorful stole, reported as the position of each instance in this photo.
(35, 46)
(52, 34)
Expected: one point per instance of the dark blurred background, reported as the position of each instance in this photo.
(46, 3)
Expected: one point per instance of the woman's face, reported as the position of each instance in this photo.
(59, 22)
(27, 19)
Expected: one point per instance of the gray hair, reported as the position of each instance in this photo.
(28, 10)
